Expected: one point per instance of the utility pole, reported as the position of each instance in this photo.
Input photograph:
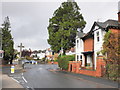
(20, 46)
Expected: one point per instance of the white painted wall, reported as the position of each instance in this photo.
(98, 45)
(79, 48)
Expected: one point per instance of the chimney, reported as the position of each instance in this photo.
(119, 11)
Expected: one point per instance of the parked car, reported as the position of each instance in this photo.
(25, 61)
(33, 61)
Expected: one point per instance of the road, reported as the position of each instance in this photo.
(46, 76)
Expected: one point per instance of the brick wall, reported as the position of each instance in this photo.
(99, 72)
(88, 44)
(115, 30)
(53, 62)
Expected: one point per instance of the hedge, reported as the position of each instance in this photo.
(64, 61)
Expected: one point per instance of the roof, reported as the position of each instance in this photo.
(104, 26)
(108, 23)
(80, 34)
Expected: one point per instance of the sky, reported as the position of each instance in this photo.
(29, 19)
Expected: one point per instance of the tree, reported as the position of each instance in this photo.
(111, 52)
(7, 41)
(26, 53)
(64, 25)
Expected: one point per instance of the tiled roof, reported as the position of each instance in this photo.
(108, 23)
(80, 34)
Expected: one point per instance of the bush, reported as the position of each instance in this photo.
(64, 61)
(56, 60)
(112, 72)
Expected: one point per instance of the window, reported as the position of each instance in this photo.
(98, 38)
(80, 57)
(1, 55)
(77, 43)
(77, 57)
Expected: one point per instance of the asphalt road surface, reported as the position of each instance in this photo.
(46, 76)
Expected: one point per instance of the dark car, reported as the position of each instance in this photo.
(32, 61)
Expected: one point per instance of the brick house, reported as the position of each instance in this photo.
(88, 45)
(91, 43)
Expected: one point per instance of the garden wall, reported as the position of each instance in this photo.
(75, 67)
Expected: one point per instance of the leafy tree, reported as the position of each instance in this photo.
(111, 52)
(26, 53)
(7, 41)
(63, 26)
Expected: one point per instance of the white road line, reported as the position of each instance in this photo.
(24, 79)
(40, 68)
(22, 74)
(27, 86)
(17, 77)
(15, 80)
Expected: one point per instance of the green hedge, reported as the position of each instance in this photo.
(64, 61)
(112, 71)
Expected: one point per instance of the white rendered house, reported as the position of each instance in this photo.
(88, 45)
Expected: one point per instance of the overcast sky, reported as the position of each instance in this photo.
(29, 20)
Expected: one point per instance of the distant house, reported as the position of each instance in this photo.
(88, 45)
(49, 54)
(70, 51)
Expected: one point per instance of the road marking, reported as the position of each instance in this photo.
(40, 68)
(22, 74)
(27, 87)
(24, 79)
(15, 80)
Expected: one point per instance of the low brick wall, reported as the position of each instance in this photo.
(75, 67)
(53, 62)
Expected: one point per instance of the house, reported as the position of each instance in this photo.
(88, 45)
(70, 51)
(49, 54)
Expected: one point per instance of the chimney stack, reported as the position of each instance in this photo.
(119, 11)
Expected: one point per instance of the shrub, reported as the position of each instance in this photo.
(64, 61)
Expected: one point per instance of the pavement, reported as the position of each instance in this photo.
(7, 81)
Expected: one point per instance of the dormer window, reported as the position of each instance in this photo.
(98, 37)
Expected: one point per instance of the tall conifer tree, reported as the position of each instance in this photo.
(7, 41)
(64, 24)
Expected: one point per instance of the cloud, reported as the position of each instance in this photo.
(29, 20)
